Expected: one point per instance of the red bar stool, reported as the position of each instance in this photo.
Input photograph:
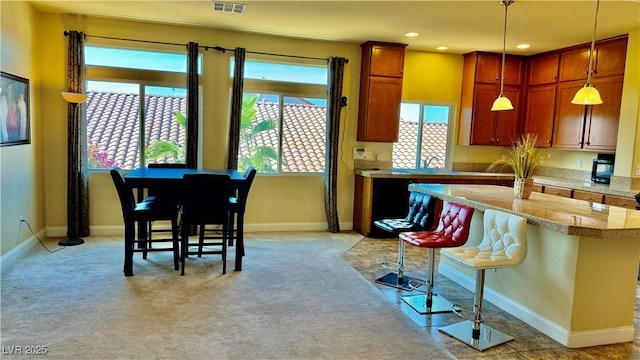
(452, 231)
(504, 245)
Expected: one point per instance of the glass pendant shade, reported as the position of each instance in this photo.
(588, 95)
(502, 103)
(74, 98)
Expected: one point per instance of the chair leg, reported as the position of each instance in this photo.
(225, 239)
(232, 227)
(475, 333)
(201, 239)
(129, 234)
(429, 303)
(185, 241)
(176, 245)
(239, 242)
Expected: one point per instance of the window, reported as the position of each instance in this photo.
(423, 134)
(136, 107)
(284, 122)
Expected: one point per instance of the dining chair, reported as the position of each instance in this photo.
(164, 194)
(142, 213)
(205, 201)
(237, 207)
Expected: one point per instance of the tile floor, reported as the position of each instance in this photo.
(367, 258)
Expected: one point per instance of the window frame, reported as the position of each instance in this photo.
(451, 129)
(284, 89)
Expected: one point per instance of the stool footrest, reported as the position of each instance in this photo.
(391, 279)
(488, 337)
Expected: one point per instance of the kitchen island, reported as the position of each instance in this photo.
(578, 282)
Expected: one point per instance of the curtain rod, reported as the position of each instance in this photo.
(205, 47)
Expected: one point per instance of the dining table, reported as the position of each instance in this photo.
(144, 178)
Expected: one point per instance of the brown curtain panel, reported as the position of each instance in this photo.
(192, 105)
(236, 109)
(77, 176)
(336, 69)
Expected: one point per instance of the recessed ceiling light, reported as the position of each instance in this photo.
(229, 7)
(442, 48)
(411, 34)
(523, 46)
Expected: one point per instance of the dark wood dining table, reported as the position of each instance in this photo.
(144, 178)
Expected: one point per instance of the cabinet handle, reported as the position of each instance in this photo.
(548, 141)
(497, 139)
(555, 77)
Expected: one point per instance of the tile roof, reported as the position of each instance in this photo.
(112, 125)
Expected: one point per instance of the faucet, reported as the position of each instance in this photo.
(428, 160)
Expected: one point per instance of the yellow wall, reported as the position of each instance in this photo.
(276, 202)
(21, 176)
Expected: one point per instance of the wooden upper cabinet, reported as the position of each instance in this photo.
(569, 118)
(481, 86)
(574, 64)
(489, 69)
(386, 60)
(608, 59)
(380, 91)
(539, 111)
(543, 69)
(602, 121)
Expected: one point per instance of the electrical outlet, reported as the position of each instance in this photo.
(21, 219)
(638, 170)
(579, 163)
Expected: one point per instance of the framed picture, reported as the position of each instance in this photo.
(14, 110)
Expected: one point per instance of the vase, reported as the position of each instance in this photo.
(522, 188)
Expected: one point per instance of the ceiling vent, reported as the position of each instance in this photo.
(229, 7)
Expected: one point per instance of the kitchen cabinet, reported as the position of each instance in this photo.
(558, 191)
(380, 91)
(608, 59)
(620, 201)
(593, 127)
(480, 87)
(543, 69)
(539, 113)
(588, 196)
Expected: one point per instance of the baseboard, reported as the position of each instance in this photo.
(61, 231)
(8, 259)
(571, 339)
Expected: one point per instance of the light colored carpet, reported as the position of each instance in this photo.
(296, 298)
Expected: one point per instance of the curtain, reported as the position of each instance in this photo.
(192, 105)
(336, 69)
(77, 176)
(236, 109)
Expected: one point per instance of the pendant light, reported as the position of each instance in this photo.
(589, 95)
(502, 102)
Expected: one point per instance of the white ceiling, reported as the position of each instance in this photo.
(463, 26)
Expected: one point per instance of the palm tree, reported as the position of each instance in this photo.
(262, 157)
(169, 149)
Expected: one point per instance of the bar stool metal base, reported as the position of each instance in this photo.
(391, 279)
(419, 304)
(489, 337)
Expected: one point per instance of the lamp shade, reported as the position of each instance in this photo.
(502, 103)
(75, 98)
(588, 95)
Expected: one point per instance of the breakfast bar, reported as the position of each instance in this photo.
(578, 282)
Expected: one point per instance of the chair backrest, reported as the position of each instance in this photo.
(505, 238)
(421, 207)
(243, 192)
(205, 198)
(168, 193)
(454, 222)
(127, 201)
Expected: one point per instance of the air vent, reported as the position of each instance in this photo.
(229, 7)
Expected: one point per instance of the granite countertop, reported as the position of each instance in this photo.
(432, 174)
(564, 215)
(584, 185)
(540, 180)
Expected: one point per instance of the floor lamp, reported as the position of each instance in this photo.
(74, 99)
